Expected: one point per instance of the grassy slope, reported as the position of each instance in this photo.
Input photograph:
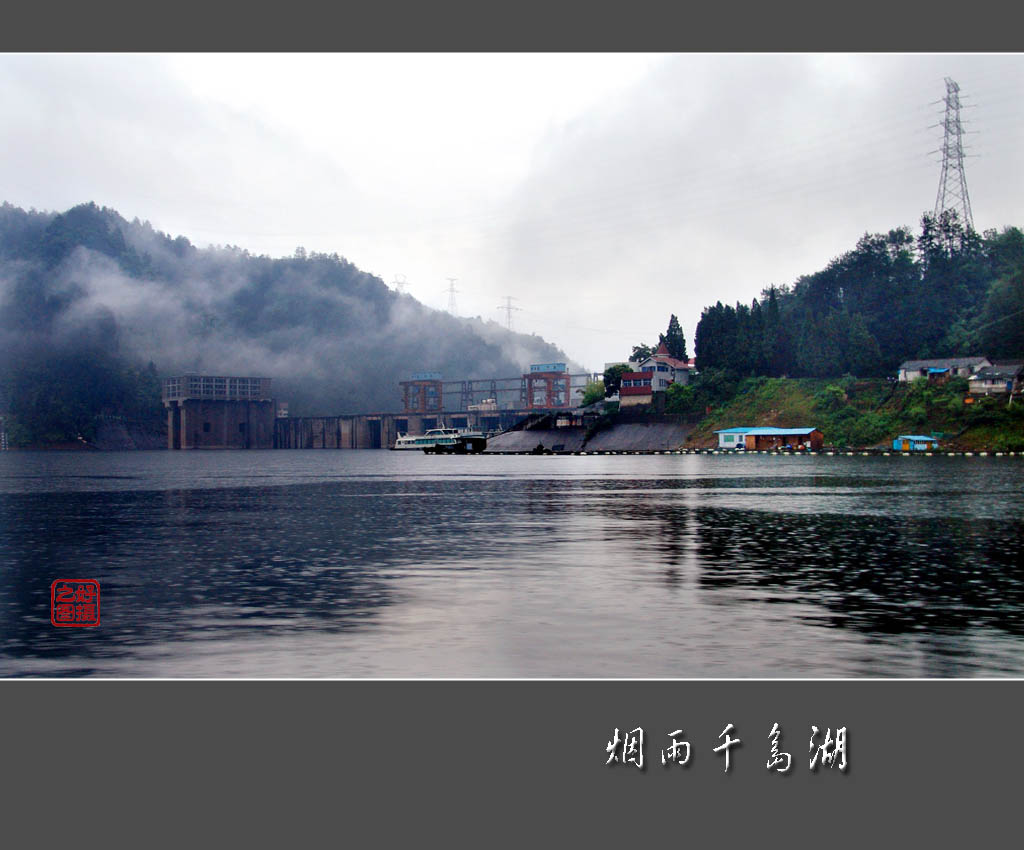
(867, 413)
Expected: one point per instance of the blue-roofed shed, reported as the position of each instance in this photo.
(802, 439)
(770, 437)
(914, 443)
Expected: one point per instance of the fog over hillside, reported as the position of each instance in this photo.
(88, 284)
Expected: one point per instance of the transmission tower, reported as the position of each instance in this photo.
(952, 193)
(451, 290)
(400, 283)
(508, 308)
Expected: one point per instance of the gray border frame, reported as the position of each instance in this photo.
(488, 763)
(529, 25)
(496, 762)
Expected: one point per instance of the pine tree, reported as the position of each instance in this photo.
(675, 340)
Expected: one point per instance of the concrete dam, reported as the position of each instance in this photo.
(213, 412)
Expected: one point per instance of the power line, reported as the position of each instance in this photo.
(997, 321)
(605, 331)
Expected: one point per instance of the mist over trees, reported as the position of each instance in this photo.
(892, 298)
(96, 309)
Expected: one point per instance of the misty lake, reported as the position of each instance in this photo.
(385, 564)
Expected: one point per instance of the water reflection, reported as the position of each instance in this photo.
(547, 574)
(877, 574)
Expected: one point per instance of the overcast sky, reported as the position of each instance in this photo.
(601, 191)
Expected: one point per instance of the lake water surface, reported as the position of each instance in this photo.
(360, 564)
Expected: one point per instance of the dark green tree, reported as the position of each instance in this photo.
(642, 352)
(613, 379)
(862, 355)
(1005, 251)
(675, 340)
(999, 329)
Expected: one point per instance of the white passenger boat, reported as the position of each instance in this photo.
(443, 441)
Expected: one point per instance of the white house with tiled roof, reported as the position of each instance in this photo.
(651, 375)
(951, 367)
(665, 368)
(997, 379)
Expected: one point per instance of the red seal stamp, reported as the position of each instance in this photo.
(75, 602)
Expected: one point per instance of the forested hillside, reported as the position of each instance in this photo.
(95, 309)
(892, 298)
(855, 413)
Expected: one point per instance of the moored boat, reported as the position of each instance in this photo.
(443, 441)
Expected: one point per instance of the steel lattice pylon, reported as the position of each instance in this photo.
(952, 193)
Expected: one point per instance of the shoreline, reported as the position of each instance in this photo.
(735, 453)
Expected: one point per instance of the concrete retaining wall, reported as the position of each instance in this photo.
(554, 439)
(627, 437)
(640, 437)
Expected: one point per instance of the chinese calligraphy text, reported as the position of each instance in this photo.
(627, 748)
